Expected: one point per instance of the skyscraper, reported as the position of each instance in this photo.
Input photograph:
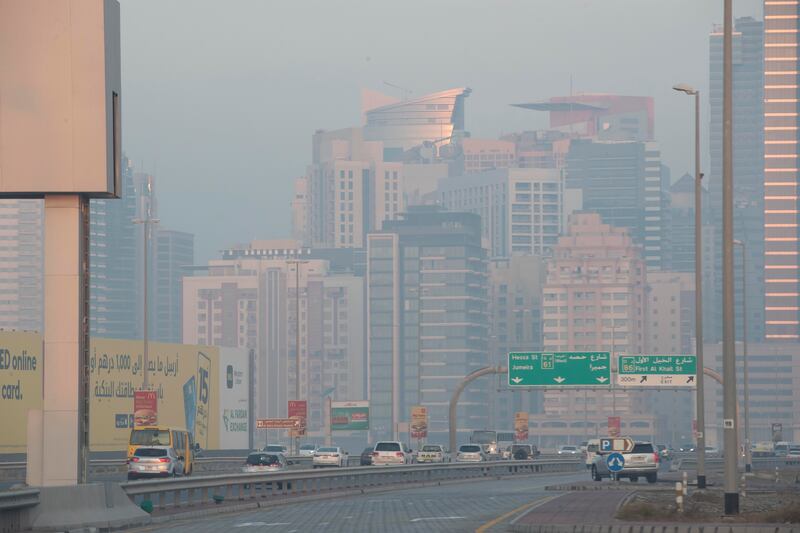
(427, 320)
(625, 182)
(114, 268)
(521, 208)
(21, 250)
(781, 259)
(748, 165)
(174, 252)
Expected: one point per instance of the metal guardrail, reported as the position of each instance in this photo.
(196, 491)
(690, 463)
(17, 499)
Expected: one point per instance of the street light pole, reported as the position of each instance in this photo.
(748, 461)
(698, 289)
(728, 327)
(146, 221)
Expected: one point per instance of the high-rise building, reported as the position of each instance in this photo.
(487, 154)
(248, 299)
(774, 371)
(515, 310)
(781, 259)
(751, 112)
(605, 117)
(174, 253)
(115, 270)
(349, 190)
(430, 119)
(594, 300)
(427, 320)
(521, 208)
(21, 255)
(626, 184)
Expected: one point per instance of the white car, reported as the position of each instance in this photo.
(568, 450)
(391, 452)
(276, 448)
(259, 462)
(433, 453)
(470, 453)
(307, 450)
(329, 456)
(154, 461)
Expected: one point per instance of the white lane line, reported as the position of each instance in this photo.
(437, 518)
(262, 524)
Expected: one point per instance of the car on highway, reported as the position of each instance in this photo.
(568, 449)
(264, 462)
(781, 449)
(433, 453)
(276, 448)
(686, 448)
(523, 452)
(665, 452)
(391, 452)
(329, 456)
(793, 453)
(470, 453)
(712, 451)
(366, 456)
(592, 448)
(307, 450)
(155, 461)
(642, 461)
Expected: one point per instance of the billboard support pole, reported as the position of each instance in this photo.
(328, 432)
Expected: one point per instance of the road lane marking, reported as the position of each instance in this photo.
(422, 519)
(262, 524)
(520, 509)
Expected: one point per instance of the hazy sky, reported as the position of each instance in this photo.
(220, 99)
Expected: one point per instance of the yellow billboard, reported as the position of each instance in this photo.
(20, 386)
(183, 376)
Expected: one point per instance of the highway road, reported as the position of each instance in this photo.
(459, 507)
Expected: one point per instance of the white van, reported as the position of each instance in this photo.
(592, 447)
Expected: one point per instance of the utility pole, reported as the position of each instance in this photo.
(729, 396)
(146, 221)
(296, 263)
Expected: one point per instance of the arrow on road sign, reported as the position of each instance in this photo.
(644, 378)
(615, 462)
(516, 380)
(559, 379)
(602, 379)
(690, 379)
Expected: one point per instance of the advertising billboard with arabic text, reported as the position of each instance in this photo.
(349, 416)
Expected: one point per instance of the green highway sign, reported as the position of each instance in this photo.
(657, 371)
(559, 369)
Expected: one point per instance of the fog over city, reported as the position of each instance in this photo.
(372, 265)
(221, 98)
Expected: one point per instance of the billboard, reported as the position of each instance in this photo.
(349, 416)
(184, 378)
(419, 422)
(145, 408)
(298, 409)
(614, 426)
(20, 386)
(233, 387)
(190, 384)
(521, 419)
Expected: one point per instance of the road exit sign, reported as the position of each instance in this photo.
(559, 369)
(657, 371)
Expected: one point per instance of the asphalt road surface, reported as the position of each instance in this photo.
(466, 506)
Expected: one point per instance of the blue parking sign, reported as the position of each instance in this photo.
(606, 445)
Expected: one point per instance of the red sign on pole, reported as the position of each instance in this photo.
(145, 408)
(298, 409)
(614, 426)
